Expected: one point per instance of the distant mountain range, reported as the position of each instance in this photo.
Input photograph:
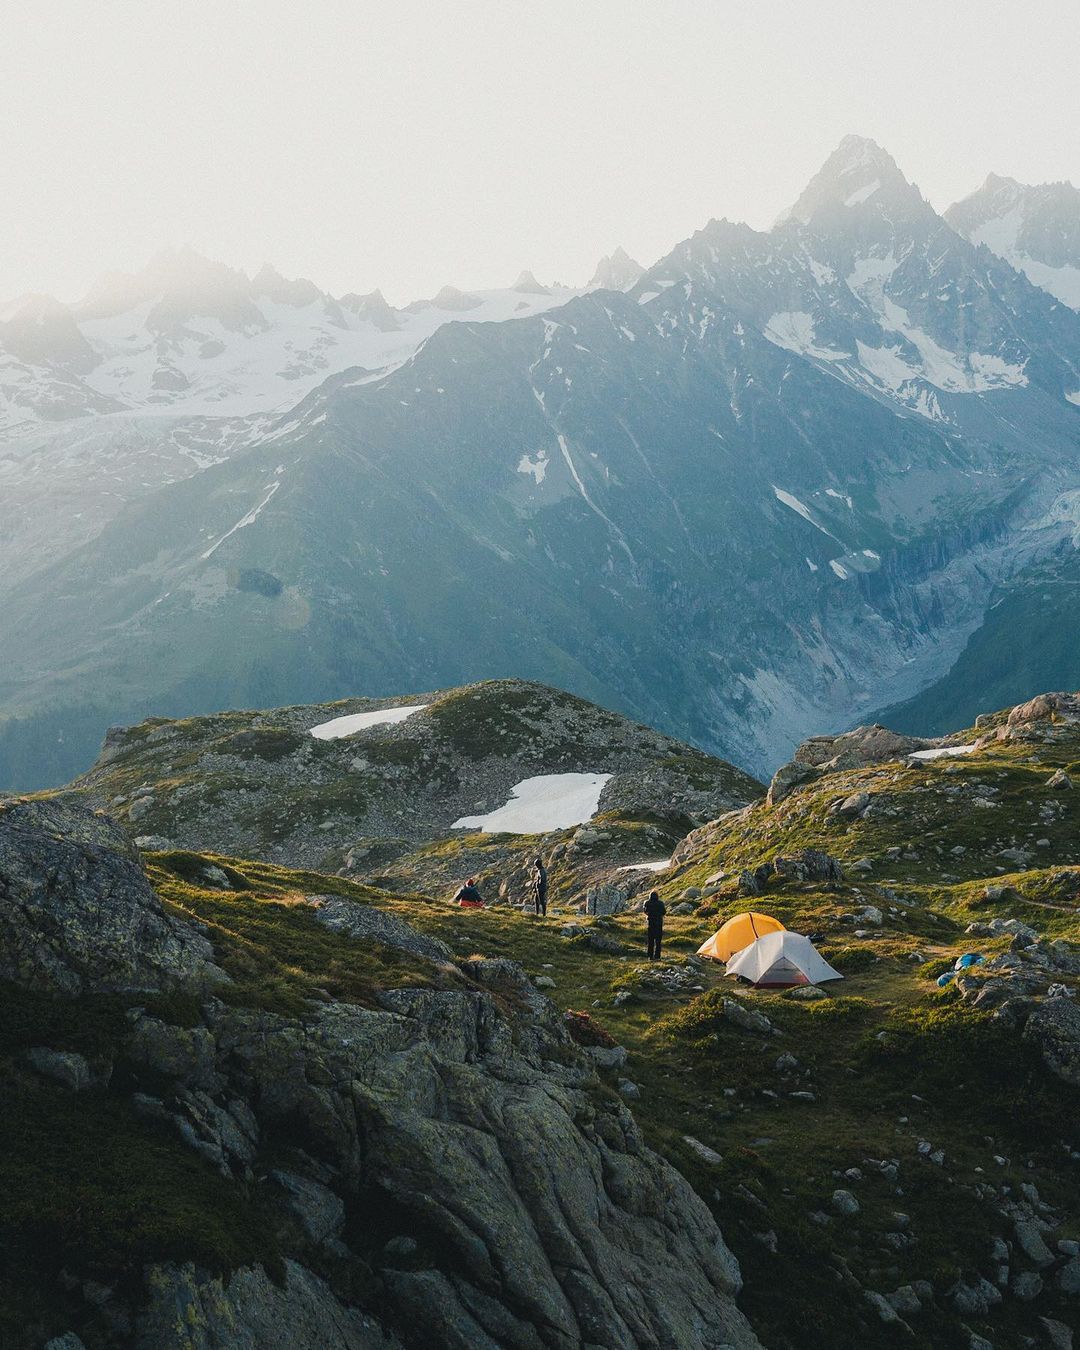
(772, 484)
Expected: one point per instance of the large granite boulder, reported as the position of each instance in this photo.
(77, 913)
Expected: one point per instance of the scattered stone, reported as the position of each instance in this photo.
(366, 921)
(1058, 1335)
(703, 1151)
(400, 1248)
(786, 1062)
(1068, 1277)
(882, 1306)
(629, 1090)
(974, 1299)
(852, 806)
(843, 1202)
(544, 982)
(320, 1211)
(905, 1300)
(807, 992)
(1060, 779)
(1027, 1285)
(153, 843)
(62, 1066)
(684, 907)
(606, 1056)
(1031, 1243)
(749, 1019)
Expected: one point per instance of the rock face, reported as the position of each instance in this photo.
(529, 1206)
(191, 1309)
(77, 913)
(850, 750)
(451, 1176)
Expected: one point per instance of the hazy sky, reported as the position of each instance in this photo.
(404, 145)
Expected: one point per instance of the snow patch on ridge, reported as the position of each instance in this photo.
(353, 722)
(551, 801)
(942, 752)
(244, 521)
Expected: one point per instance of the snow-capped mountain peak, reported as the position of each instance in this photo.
(1034, 228)
(858, 173)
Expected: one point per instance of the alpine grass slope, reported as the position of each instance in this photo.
(354, 1118)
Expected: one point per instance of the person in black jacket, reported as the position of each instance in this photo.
(540, 887)
(655, 909)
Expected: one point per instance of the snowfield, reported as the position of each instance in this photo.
(346, 726)
(942, 752)
(552, 801)
(660, 866)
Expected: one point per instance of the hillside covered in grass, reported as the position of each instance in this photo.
(362, 782)
(367, 1102)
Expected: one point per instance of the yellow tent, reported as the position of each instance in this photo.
(739, 931)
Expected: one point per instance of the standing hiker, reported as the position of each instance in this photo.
(655, 909)
(540, 887)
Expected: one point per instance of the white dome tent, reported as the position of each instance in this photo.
(780, 960)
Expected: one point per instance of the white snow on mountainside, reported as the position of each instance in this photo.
(354, 722)
(1034, 228)
(159, 374)
(190, 335)
(551, 801)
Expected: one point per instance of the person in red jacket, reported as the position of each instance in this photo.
(469, 897)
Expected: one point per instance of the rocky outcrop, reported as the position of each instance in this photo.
(810, 864)
(77, 913)
(850, 750)
(258, 784)
(500, 1203)
(1054, 1027)
(192, 1310)
(365, 921)
(442, 1167)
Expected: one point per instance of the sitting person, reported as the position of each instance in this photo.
(469, 897)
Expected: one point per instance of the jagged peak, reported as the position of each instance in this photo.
(857, 173)
(617, 271)
(528, 284)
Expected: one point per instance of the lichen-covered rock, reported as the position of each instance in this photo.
(365, 921)
(189, 1309)
(77, 913)
(535, 1206)
(1054, 1027)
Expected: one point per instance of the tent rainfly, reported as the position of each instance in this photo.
(779, 960)
(739, 931)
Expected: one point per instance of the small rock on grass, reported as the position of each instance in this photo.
(843, 1202)
(703, 1151)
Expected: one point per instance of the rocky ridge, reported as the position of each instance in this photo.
(259, 785)
(439, 1167)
